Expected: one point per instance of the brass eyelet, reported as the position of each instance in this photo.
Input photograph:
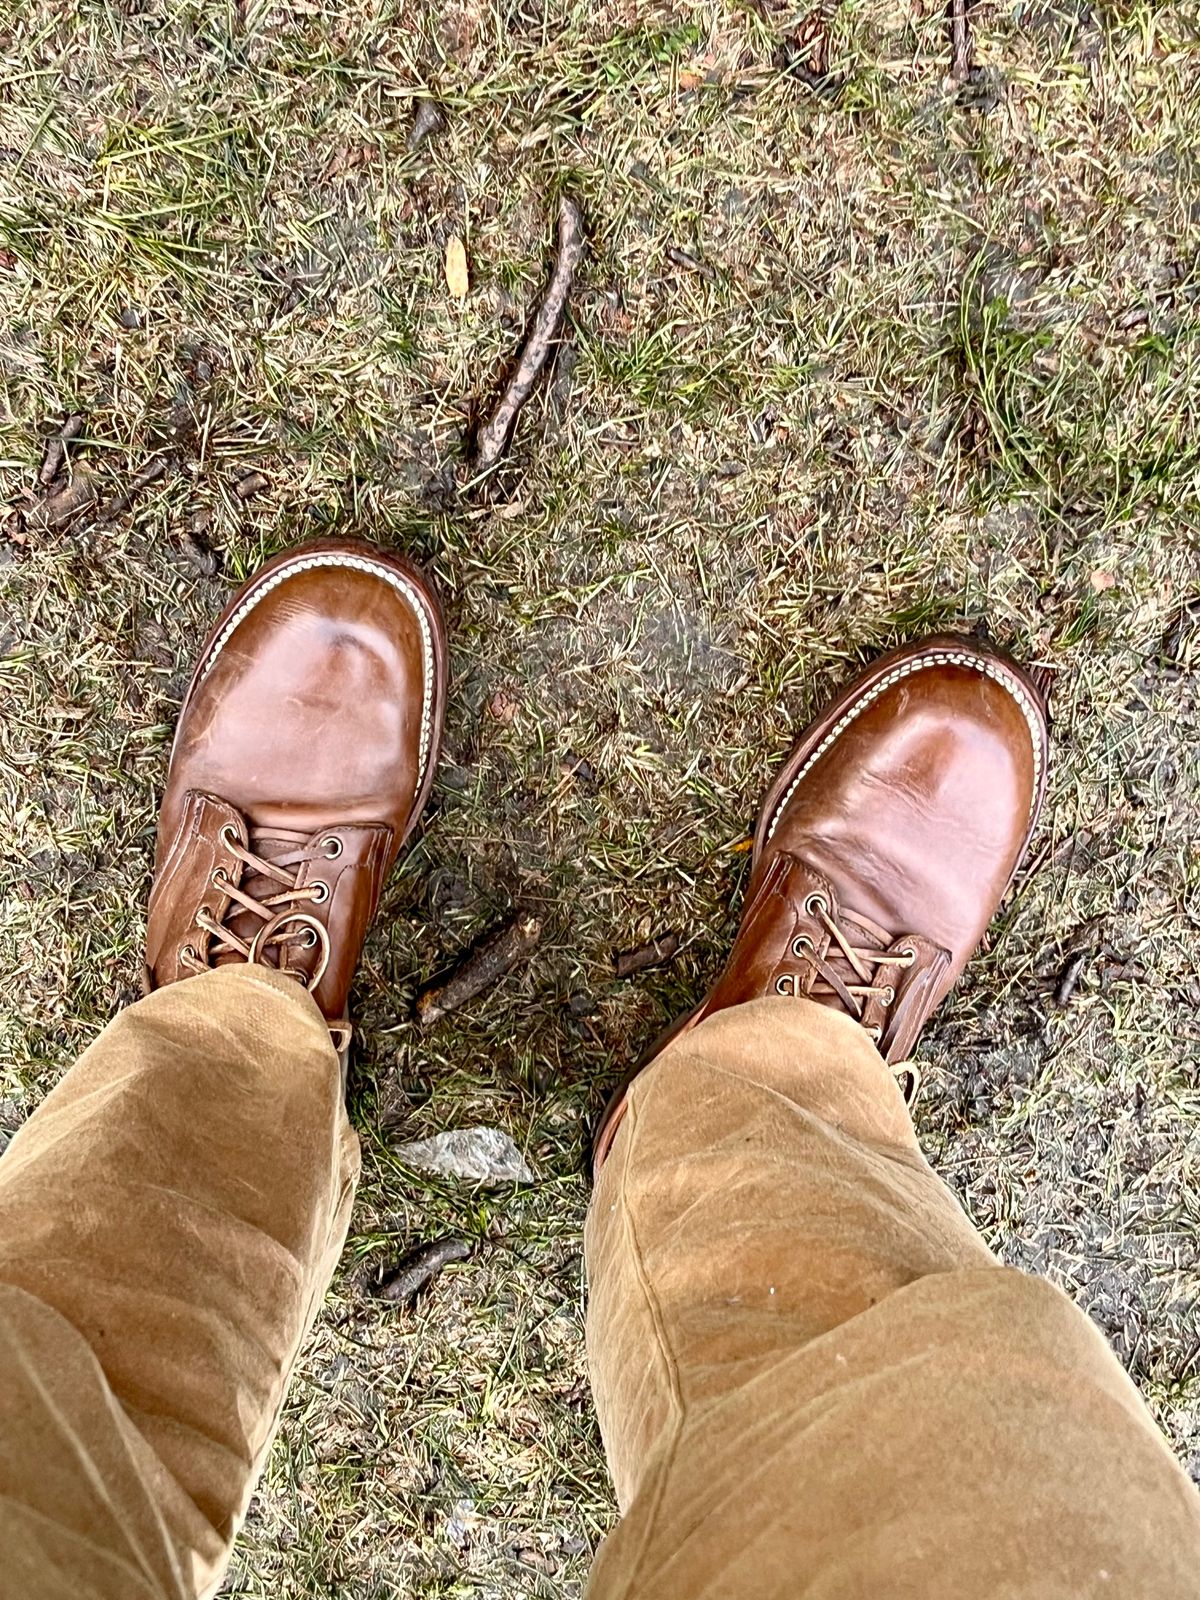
(801, 943)
(319, 899)
(889, 995)
(189, 953)
(227, 834)
(814, 904)
(310, 941)
(219, 878)
(332, 847)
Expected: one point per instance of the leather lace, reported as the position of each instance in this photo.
(854, 986)
(284, 925)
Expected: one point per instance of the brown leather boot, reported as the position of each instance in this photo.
(304, 754)
(887, 842)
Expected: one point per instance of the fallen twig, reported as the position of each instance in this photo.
(1068, 980)
(56, 449)
(628, 963)
(689, 262)
(150, 473)
(493, 437)
(961, 47)
(419, 1268)
(483, 966)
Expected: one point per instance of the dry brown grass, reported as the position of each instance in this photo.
(942, 371)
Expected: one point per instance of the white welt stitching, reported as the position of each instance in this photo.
(935, 658)
(332, 558)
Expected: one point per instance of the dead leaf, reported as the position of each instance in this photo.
(458, 279)
(345, 159)
(56, 510)
(1102, 580)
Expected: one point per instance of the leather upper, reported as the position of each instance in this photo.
(303, 756)
(893, 830)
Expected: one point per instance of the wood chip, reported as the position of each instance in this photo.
(458, 278)
(493, 437)
(485, 964)
(253, 483)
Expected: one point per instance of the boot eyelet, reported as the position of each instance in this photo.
(227, 834)
(875, 1034)
(786, 984)
(802, 945)
(189, 953)
(889, 996)
(814, 904)
(320, 892)
(219, 878)
(331, 848)
(310, 941)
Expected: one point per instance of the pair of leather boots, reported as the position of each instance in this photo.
(306, 749)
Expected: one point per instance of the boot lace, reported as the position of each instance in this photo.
(854, 986)
(284, 926)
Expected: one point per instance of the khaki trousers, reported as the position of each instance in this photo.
(812, 1377)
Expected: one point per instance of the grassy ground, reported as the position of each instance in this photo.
(940, 367)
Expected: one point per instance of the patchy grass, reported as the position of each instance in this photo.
(939, 369)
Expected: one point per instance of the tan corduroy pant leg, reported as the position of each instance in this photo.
(169, 1220)
(813, 1378)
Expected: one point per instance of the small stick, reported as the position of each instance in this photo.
(961, 51)
(483, 966)
(149, 474)
(1069, 978)
(56, 449)
(419, 1268)
(493, 437)
(627, 963)
(689, 262)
